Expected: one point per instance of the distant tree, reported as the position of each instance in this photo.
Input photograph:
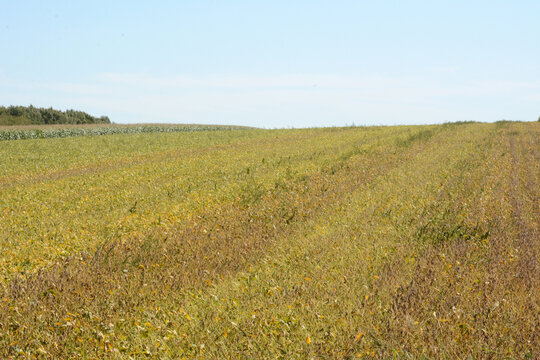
(14, 111)
(21, 115)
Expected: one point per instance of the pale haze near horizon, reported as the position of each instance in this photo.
(275, 64)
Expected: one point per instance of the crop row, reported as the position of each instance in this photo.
(96, 131)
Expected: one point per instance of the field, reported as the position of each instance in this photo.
(401, 242)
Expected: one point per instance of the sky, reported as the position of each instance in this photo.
(274, 64)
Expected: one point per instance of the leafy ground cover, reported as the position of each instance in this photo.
(378, 242)
(52, 131)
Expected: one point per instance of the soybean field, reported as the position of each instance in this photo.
(402, 242)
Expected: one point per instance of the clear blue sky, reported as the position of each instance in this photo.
(275, 63)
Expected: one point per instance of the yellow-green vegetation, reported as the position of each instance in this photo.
(342, 243)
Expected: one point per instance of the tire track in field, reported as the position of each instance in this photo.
(525, 206)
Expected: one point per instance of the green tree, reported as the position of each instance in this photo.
(22, 115)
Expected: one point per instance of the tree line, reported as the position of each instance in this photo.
(30, 115)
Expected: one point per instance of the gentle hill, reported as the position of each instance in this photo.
(30, 115)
